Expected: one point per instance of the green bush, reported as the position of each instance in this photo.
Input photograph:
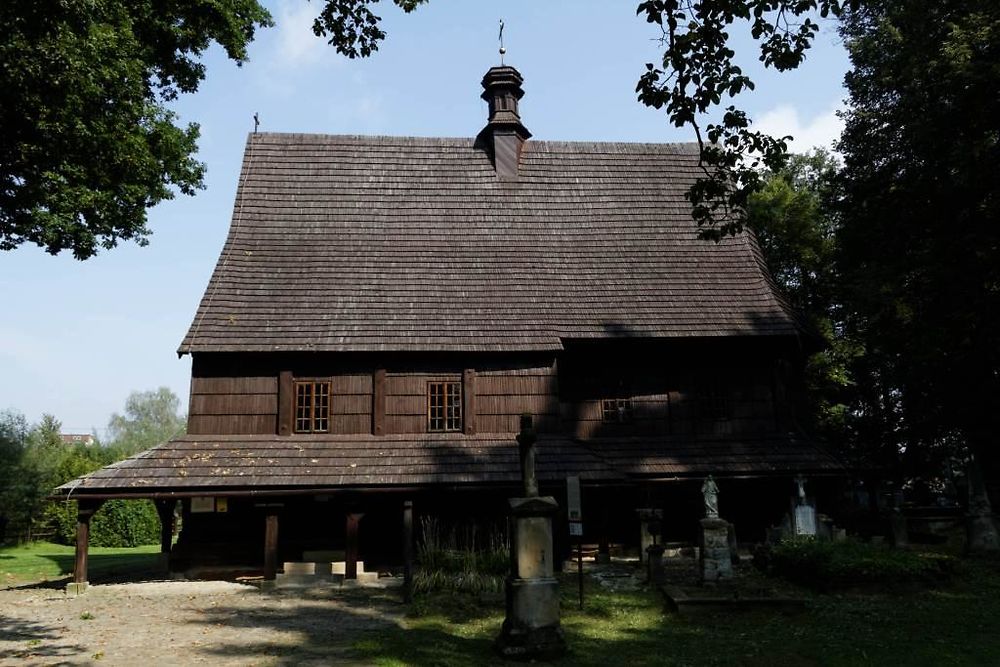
(118, 523)
(823, 564)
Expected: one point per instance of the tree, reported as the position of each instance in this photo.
(88, 143)
(13, 437)
(920, 212)
(794, 222)
(151, 418)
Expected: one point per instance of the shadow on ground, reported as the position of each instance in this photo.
(38, 637)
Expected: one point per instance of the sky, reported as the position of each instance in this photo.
(77, 337)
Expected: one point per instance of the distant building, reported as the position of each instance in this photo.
(85, 439)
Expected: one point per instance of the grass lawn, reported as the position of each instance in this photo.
(956, 623)
(44, 561)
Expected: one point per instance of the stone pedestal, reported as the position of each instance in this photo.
(899, 529)
(531, 629)
(649, 524)
(715, 559)
(654, 564)
(982, 533)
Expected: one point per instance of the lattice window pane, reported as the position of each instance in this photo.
(436, 406)
(617, 410)
(454, 415)
(303, 406)
(444, 406)
(312, 407)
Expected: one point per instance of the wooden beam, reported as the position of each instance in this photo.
(469, 401)
(286, 403)
(407, 550)
(378, 402)
(271, 545)
(352, 550)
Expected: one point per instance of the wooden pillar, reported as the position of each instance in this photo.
(165, 510)
(286, 403)
(351, 555)
(378, 402)
(603, 543)
(469, 400)
(407, 550)
(85, 512)
(271, 545)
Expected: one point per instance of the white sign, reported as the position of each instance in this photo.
(573, 510)
(202, 504)
(576, 528)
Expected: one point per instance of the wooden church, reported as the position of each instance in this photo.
(386, 308)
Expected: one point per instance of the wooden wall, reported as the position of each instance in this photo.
(668, 387)
(502, 396)
(237, 405)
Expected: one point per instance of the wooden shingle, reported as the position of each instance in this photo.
(342, 243)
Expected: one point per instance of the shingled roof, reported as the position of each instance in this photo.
(268, 463)
(342, 243)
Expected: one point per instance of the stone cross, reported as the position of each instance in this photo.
(526, 447)
(710, 491)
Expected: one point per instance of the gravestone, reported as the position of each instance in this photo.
(531, 628)
(715, 559)
(803, 512)
(804, 518)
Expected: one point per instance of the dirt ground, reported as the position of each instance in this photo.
(186, 622)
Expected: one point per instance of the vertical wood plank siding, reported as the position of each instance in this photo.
(503, 395)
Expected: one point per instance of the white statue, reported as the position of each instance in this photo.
(800, 482)
(711, 493)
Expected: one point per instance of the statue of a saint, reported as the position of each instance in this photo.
(711, 493)
(800, 483)
(526, 448)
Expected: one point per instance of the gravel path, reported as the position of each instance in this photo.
(187, 622)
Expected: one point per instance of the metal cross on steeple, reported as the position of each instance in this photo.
(502, 50)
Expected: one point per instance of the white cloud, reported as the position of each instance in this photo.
(821, 130)
(297, 45)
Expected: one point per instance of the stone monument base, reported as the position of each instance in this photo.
(531, 629)
(715, 561)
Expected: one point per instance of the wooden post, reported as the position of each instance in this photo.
(351, 564)
(407, 550)
(603, 543)
(469, 400)
(85, 512)
(378, 402)
(271, 545)
(286, 403)
(165, 510)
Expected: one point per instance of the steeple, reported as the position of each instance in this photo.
(504, 134)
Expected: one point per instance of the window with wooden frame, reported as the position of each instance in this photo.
(616, 410)
(444, 406)
(312, 406)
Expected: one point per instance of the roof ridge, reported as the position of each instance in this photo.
(685, 146)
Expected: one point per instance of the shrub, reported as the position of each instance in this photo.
(118, 523)
(822, 564)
